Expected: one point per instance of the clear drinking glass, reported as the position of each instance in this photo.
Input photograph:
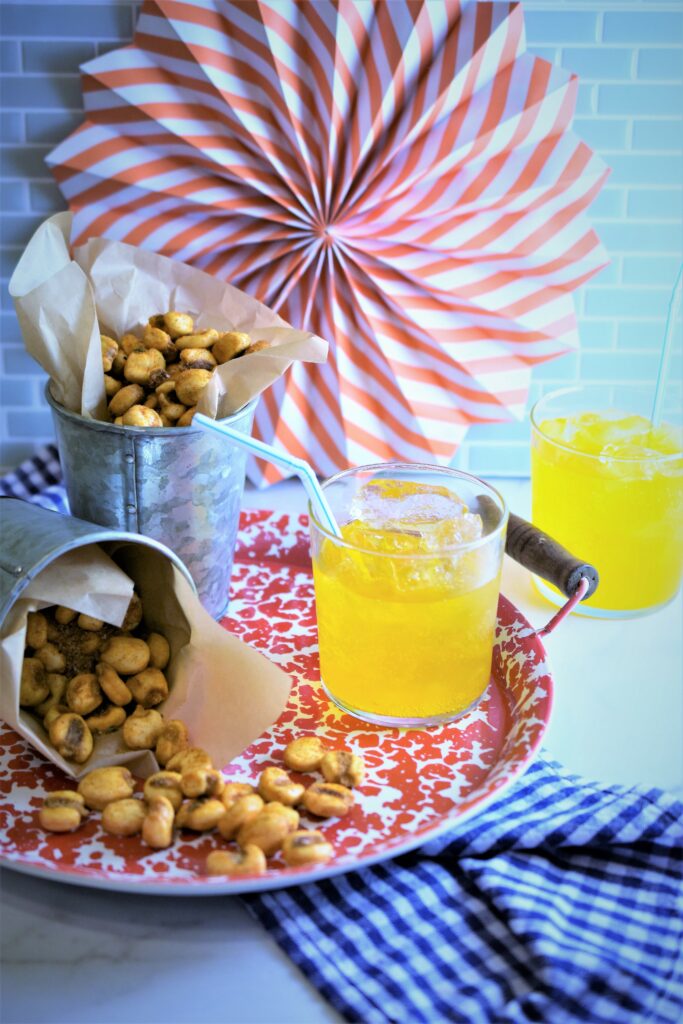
(406, 599)
(608, 485)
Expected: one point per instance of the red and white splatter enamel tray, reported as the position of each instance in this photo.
(418, 782)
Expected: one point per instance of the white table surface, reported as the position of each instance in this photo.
(77, 955)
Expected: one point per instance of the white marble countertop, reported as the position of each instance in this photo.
(77, 955)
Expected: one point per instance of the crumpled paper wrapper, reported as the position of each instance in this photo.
(226, 694)
(64, 303)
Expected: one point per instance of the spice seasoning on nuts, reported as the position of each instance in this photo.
(85, 678)
(138, 371)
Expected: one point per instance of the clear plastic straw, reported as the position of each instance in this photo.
(264, 451)
(667, 348)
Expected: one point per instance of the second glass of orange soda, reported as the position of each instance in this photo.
(407, 597)
(608, 485)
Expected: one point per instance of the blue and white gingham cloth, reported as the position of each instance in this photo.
(562, 902)
(38, 480)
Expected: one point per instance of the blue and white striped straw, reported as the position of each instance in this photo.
(302, 469)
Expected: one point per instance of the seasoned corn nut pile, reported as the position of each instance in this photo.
(257, 821)
(156, 379)
(84, 678)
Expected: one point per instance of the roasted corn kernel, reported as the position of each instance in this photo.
(230, 344)
(243, 809)
(126, 654)
(269, 828)
(157, 825)
(90, 623)
(133, 616)
(328, 800)
(71, 737)
(107, 718)
(234, 790)
(64, 615)
(304, 754)
(190, 384)
(109, 349)
(140, 365)
(275, 784)
(306, 847)
(141, 416)
(202, 782)
(57, 685)
(142, 729)
(112, 685)
(123, 817)
(52, 658)
(36, 630)
(204, 339)
(123, 400)
(172, 740)
(200, 815)
(249, 861)
(102, 785)
(148, 687)
(165, 784)
(189, 758)
(83, 693)
(177, 324)
(343, 767)
(159, 650)
(62, 811)
(33, 689)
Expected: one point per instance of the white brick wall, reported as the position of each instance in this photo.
(629, 57)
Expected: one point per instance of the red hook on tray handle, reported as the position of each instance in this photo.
(542, 555)
(564, 611)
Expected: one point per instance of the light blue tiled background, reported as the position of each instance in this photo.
(629, 57)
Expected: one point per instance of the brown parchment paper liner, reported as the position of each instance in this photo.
(226, 693)
(63, 304)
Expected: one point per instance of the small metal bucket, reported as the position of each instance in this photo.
(179, 485)
(33, 538)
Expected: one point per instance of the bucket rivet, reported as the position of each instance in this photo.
(130, 508)
(18, 569)
(129, 457)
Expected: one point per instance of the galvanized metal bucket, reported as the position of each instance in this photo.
(33, 537)
(178, 485)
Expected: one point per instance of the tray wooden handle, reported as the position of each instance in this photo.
(542, 555)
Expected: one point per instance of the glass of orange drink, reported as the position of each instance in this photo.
(406, 598)
(608, 485)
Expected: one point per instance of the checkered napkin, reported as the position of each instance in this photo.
(38, 480)
(561, 902)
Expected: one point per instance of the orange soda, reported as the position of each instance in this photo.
(406, 605)
(609, 487)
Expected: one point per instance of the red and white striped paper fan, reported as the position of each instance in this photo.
(398, 177)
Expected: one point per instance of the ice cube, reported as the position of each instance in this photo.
(405, 516)
(667, 439)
